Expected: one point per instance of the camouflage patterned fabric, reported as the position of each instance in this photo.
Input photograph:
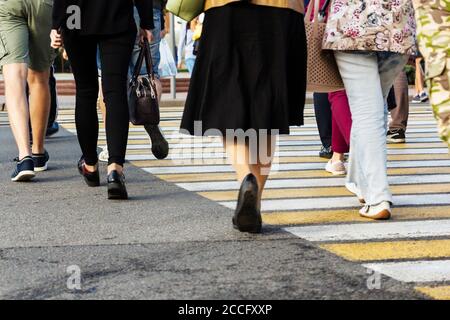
(433, 29)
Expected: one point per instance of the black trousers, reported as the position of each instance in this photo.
(115, 55)
(322, 108)
(54, 98)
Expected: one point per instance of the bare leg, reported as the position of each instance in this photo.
(239, 154)
(39, 107)
(338, 157)
(419, 77)
(101, 102)
(15, 76)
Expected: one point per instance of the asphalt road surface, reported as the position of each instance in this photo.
(165, 243)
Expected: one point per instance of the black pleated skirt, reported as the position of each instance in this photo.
(250, 72)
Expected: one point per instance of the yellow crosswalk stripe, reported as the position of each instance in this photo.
(205, 162)
(325, 192)
(198, 177)
(338, 216)
(392, 250)
(438, 292)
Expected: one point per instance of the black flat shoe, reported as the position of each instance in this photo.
(92, 179)
(116, 186)
(247, 217)
(160, 146)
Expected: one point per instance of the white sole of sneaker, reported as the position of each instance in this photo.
(24, 176)
(41, 169)
(383, 215)
(336, 173)
(389, 140)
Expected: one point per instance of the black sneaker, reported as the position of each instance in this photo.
(24, 170)
(326, 153)
(396, 136)
(160, 146)
(41, 161)
(52, 130)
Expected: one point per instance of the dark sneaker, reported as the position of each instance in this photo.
(160, 146)
(41, 161)
(424, 97)
(24, 170)
(396, 136)
(416, 100)
(52, 130)
(326, 153)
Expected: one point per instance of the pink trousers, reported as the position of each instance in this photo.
(341, 121)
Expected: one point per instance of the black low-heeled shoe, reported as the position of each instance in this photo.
(92, 179)
(160, 146)
(116, 186)
(247, 217)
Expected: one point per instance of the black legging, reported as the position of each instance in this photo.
(115, 54)
(322, 109)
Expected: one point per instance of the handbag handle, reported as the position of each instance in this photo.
(144, 54)
(313, 6)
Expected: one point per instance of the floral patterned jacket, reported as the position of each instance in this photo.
(371, 25)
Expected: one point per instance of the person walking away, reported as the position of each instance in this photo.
(433, 19)
(160, 146)
(342, 126)
(400, 114)
(421, 94)
(322, 111)
(107, 26)
(186, 47)
(248, 86)
(370, 53)
(26, 57)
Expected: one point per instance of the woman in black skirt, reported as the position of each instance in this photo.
(107, 26)
(249, 81)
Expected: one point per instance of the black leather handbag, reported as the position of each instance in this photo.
(142, 95)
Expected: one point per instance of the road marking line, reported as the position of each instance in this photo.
(199, 177)
(294, 218)
(376, 251)
(373, 231)
(216, 166)
(326, 192)
(438, 293)
(416, 271)
(309, 183)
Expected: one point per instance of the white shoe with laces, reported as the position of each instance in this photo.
(104, 155)
(336, 168)
(381, 211)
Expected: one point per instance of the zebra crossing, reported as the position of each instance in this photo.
(304, 200)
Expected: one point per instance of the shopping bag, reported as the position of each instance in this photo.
(167, 66)
(186, 9)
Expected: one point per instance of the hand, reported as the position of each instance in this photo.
(163, 34)
(180, 65)
(56, 39)
(146, 34)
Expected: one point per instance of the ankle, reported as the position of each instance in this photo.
(38, 150)
(91, 168)
(115, 167)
